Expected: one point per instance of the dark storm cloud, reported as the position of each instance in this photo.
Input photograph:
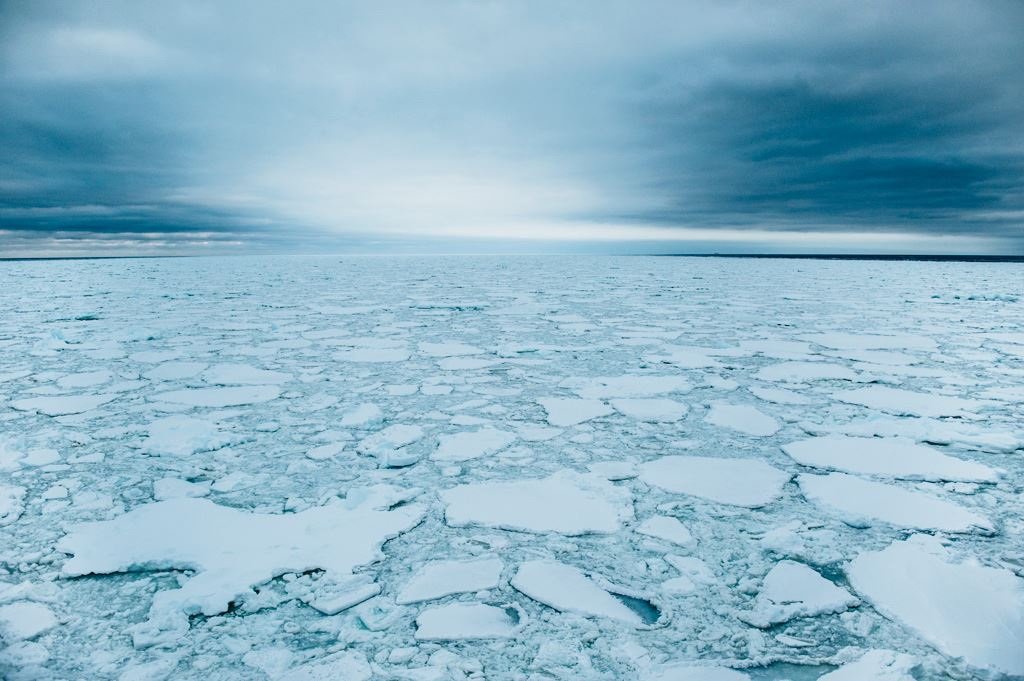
(243, 123)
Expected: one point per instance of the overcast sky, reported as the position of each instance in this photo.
(151, 127)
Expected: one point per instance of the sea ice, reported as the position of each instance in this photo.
(62, 405)
(471, 444)
(180, 435)
(345, 665)
(446, 577)
(797, 372)
(11, 506)
(909, 403)
(742, 418)
(462, 621)
(220, 397)
(875, 665)
(450, 349)
(231, 551)
(636, 385)
(654, 410)
(243, 374)
(568, 411)
(24, 620)
(685, 671)
(856, 500)
(964, 609)
(391, 447)
(567, 589)
(739, 482)
(889, 457)
(792, 589)
(666, 528)
(565, 502)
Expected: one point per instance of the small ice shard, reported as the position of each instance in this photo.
(740, 482)
(231, 551)
(909, 403)
(566, 589)
(856, 500)
(891, 457)
(346, 665)
(964, 609)
(62, 405)
(450, 349)
(651, 409)
(792, 589)
(565, 502)
(23, 620)
(688, 671)
(180, 435)
(243, 374)
(220, 397)
(11, 503)
(446, 577)
(798, 372)
(466, 621)
(362, 415)
(569, 411)
(666, 528)
(640, 385)
(876, 665)
(471, 444)
(390, 446)
(742, 418)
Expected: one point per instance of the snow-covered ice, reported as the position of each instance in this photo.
(451, 468)
(740, 482)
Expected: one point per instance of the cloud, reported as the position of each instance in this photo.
(501, 120)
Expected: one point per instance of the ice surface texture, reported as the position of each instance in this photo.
(510, 468)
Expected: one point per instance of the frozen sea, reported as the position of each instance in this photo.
(522, 468)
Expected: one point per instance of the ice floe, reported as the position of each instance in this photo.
(742, 418)
(442, 578)
(889, 457)
(566, 503)
(908, 402)
(462, 621)
(797, 372)
(963, 608)
(653, 409)
(471, 444)
(62, 405)
(220, 397)
(875, 665)
(567, 589)
(569, 411)
(739, 482)
(792, 589)
(858, 501)
(667, 528)
(391, 446)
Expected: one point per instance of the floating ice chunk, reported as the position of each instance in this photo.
(564, 502)
(666, 528)
(463, 621)
(86, 379)
(372, 355)
(184, 435)
(655, 410)
(362, 415)
(797, 372)
(346, 665)
(334, 593)
(908, 402)
(450, 349)
(566, 589)
(854, 341)
(568, 411)
(11, 503)
(685, 671)
(446, 577)
(793, 589)
(472, 444)
(220, 397)
(692, 572)
(41, 457)
(230, 550)
(391, 445)
(243, 374)
(740, 482)
(933, 431)
(173, 488)
(742, 418)
(964, 609)
(24, 620)
(897, 458)
(875, 665)
(614, 470)
(637, 385)
(327, 451)
(778, 395)
(686, 358)
(465, 363)
(856, 500)
(174, 371)
(10, 455)
(62, 405)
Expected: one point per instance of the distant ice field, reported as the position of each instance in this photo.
(518, 468)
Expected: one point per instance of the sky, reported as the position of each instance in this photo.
(140, 128)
